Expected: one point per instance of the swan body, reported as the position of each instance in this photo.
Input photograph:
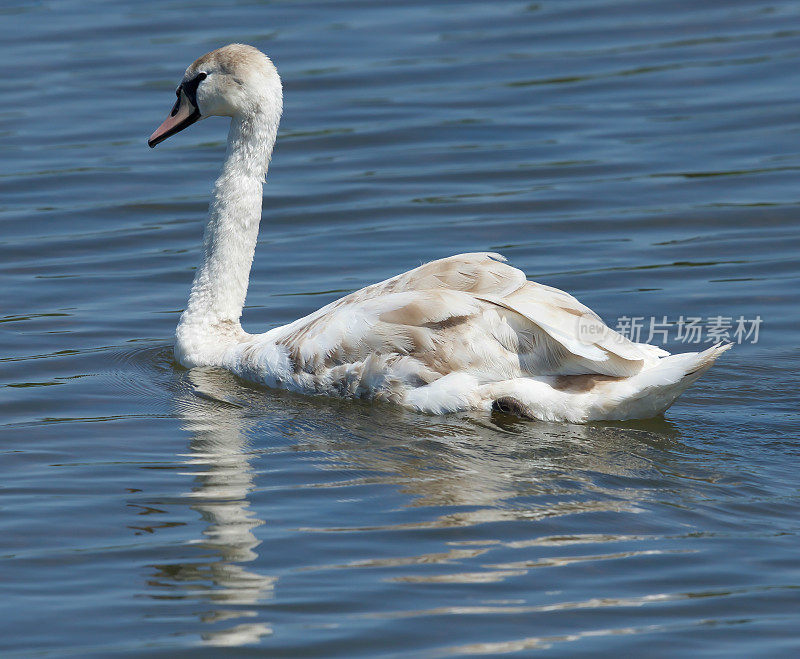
(468, 332)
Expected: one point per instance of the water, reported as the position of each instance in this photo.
(642, 155)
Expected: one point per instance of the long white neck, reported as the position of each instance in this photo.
(219, 289)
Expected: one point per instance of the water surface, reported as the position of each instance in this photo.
(642, 155)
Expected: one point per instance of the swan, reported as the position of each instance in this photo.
(468, 332)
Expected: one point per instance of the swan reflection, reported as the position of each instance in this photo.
(223, 478)
(451, 471)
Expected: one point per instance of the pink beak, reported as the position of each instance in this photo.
(184, 113)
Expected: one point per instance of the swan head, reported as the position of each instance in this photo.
(233, 81)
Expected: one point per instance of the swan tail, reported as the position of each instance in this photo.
(652, 391)
(593, 397)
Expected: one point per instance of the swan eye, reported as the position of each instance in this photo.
(190, 87)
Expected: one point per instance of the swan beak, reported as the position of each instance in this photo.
(184, 113)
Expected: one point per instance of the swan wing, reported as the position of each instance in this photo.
(470, 312)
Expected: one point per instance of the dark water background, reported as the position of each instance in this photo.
(642, 155)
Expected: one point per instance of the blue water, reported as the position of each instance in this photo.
(642, 155)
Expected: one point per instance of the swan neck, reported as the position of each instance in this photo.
(220, 284)
(251, 139)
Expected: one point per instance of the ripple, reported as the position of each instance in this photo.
(144, 371)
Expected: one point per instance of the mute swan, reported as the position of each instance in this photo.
(466, 332)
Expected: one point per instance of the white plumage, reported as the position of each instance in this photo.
(463, 333)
